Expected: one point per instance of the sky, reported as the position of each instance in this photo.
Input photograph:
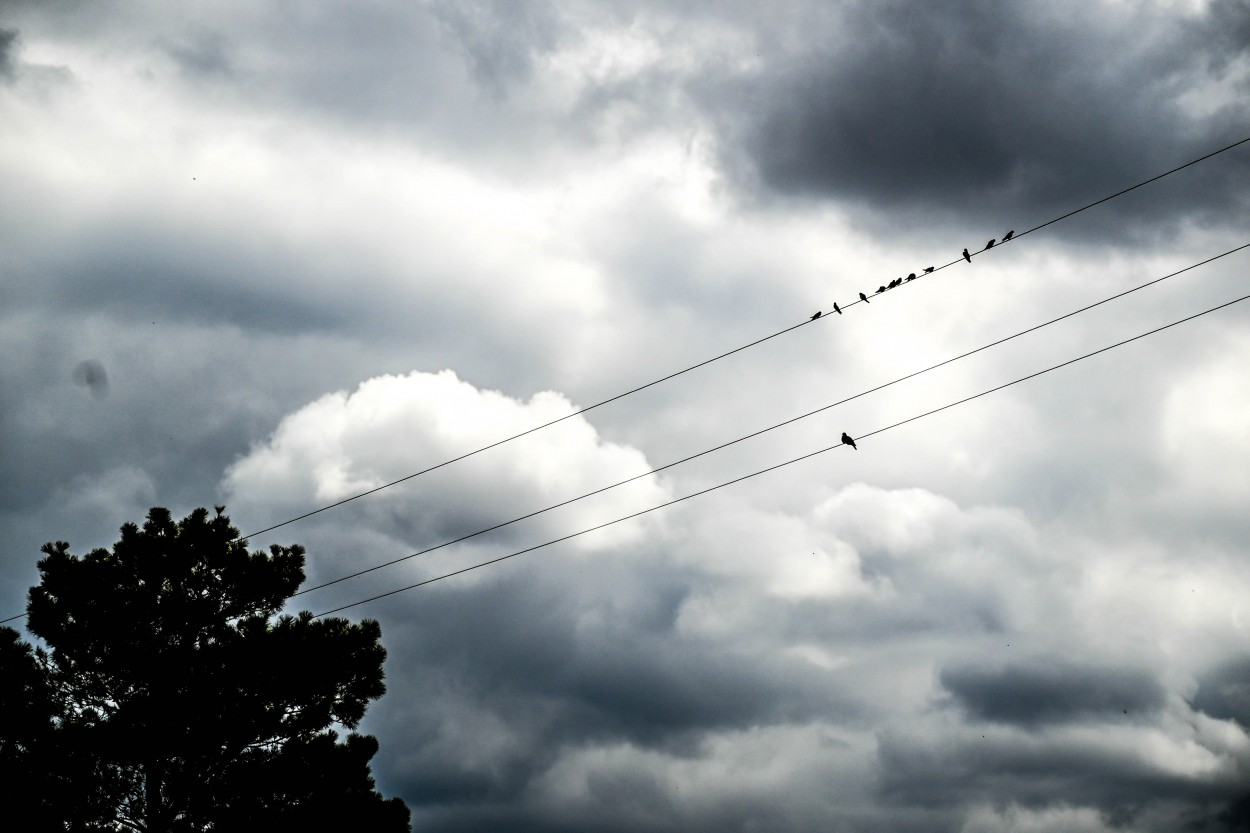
(271, 255)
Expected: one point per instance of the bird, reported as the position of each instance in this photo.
(837, 308)
(912, 276)
(880, 289)
(863, 297)
(990, 244)
(846, 440)
(967, 256)
(928, 269)
(1008, 235)
(817, 315)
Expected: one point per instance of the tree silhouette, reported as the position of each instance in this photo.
(175, 698)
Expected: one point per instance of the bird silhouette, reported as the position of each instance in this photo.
(817, 315)
(863, 297)
(912, 276)
(880, 289)
(846, 440)
(928, 269)
(837, 308)
(1009, 235)
(967, 256)
(990, 244)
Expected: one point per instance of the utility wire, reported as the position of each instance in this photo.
(658, 469)
(713, 359)
(687, 370)
(774, 467)
(745, 437)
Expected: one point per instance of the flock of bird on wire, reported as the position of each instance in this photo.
(846, 438)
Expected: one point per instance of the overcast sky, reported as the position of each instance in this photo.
(272, 254)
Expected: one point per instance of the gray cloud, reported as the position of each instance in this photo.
(1224, 692)
(570, 197)
(8, 48)
(1002, 114)
(1045, 690)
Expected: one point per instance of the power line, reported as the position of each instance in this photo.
(753, 434)
(775, 467)
(773, 427)
(711, 360)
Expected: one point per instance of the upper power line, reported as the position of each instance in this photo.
(761, 431)
(1010, 237)
(789, 462)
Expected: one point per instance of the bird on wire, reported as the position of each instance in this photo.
(846, 440)
(837, 308)
(928, 269)
(967, 256)
(912, 276)
(1008, 235)
(863, 297)
(817, 315)
(990, 244)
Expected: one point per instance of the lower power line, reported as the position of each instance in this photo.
(777, 466)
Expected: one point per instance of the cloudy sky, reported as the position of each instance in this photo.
(273, 254)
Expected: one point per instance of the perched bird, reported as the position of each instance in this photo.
(912, 276)
(928, 269)
(863, 297)
(846, 440)
(837, 308)
(990, 244)
(880, 289)
(817, 315)
(967, 256)
(1008, 235)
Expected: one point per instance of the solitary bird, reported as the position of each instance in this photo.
(990, 244)
(837, 308)
(967, 256)
(817, 315)
(928, 269)
(846, 440)
(1008, 235)
(912, 276)
(863, 297)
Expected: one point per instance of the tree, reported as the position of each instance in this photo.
(175, 697)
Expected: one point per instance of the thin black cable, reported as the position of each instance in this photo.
(713, 359)
(745, 437)
(1133, 188)
(778, 465)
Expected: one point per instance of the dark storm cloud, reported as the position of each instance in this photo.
(570, 677)
(8, 48)
(1006, 114)
(976, 768)
(1047, 690)
(140, 273)
(1224, 692)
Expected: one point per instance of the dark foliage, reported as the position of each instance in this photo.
(175, 698)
